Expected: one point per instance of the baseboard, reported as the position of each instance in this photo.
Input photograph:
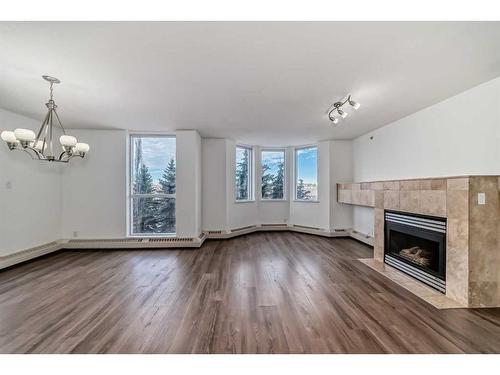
(31, 253)
(365, 238)
(173, 242)
(221, 234)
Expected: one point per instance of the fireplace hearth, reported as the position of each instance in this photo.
(416, 245)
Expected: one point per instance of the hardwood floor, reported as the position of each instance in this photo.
(260, 293)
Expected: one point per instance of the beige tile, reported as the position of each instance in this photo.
(356, 196)
(433, 202)
(391, 200)
(457, 274)
(368, 198)
(458, 233)
(377, 186)
(345, 196)
(409, 185)
(391, 185)
(425, 184)
(379, 199)
(461, 183)
(457, 204)
(356, 186)
(483, 294)
(443, 302)
(409, 201)
(438, 184)
(378, 251)
(365, 186)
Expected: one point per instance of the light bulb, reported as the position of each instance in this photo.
(342, 113)
(334, 120)
(24, 135)
(67, 140)
(82, 147)
(8, 136)
(354, 104)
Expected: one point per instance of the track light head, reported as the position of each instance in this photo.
(342, 113)
(354, 104)
(334, 120)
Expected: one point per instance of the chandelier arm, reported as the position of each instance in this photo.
(59, 121)
(44, 123)
(50, 130)
(27, 150)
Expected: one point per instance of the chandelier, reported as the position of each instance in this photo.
(335, 112)
(40, 146)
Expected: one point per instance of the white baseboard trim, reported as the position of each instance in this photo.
(31, 253)
(172, 242)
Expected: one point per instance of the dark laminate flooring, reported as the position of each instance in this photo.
(259, 293)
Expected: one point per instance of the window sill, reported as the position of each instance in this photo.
(245, 201)
(305, 201)
(274, 200)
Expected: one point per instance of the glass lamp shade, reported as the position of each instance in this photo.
(8, 136)
(67, 140)
(82, 147)
(24, 135)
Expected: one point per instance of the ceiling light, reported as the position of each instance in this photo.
(336, 107)
(342, 113)
(353, 104)
(40, 145)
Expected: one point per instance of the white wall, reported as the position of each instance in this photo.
(459, 136)
(188, 204)
(214, 184)
(30, 191)
(341, 215)
(94, 188)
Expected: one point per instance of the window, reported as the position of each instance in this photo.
(152, 185)
(306, 173)
(273, 174)
(243, 187)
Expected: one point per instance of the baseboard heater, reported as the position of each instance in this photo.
(243, 228)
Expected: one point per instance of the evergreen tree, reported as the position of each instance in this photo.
(302, 193)
(167, 181)
(146, 221)
(166, 214)
(242, 177)
(278, 182)
(267, 182)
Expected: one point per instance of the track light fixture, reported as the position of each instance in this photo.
(335, 111)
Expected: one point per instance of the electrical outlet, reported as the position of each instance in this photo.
(481, 198)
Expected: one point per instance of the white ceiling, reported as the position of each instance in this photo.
(265, 83)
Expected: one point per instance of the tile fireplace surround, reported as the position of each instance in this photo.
(473, 234)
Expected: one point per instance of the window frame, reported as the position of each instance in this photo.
(251, 174)
(285, 175)
(131, 195)
(295, 174)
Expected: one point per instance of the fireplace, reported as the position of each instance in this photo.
(416, 245)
